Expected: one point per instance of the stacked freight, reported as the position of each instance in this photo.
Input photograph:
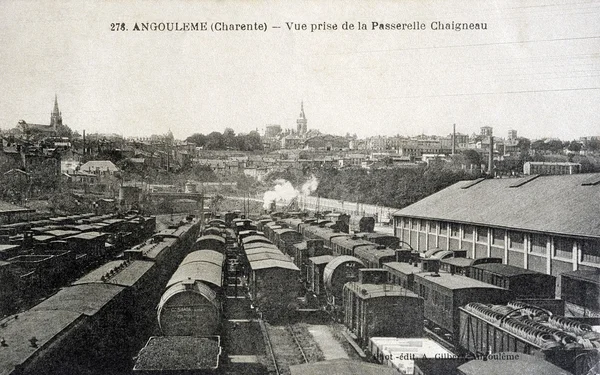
(92, 326)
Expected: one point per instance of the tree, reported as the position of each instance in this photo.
(574, 146)
(229, 140)
(524, 145)
(214, 141)
(198, 138)
(472, 157)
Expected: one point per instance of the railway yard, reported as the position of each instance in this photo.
(274, 294)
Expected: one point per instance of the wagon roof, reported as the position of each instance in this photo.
(462, 262)
(322, 259)
(85, 299)
(593, 276)
(402, 267)
(273, 263)
(198, 271)
(203, 255)
(89, 235)
(126, 276)
(286, 230)
(456, 282)
(268, 255)
(507, 269)
(43, 325)
(255, 238)
(366, 291)
(259, 245)
(211, 237)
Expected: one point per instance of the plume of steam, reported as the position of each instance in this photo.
(284, 191)
(310, 185)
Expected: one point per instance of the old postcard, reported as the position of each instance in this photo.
(281, 187)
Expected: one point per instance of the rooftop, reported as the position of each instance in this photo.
(366, 291)
(127, 275)
(43, 325)
(568, 204)
(85, 299)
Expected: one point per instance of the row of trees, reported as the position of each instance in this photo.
(227, 140)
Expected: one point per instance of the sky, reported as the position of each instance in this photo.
(534, 69)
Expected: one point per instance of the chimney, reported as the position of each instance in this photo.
(453, 139)
(491, 158)
(84, 142)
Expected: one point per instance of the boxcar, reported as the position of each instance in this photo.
(522, 282)
(387, 240)
(305, 250)
(444, 293)
(327, 235)
(462, 266)
(581, 290)
(402, 274)
(210, 242)
(286, 238)
(384, 310)
(314, 276)
(375, 256)
(346, 245)
(273, 285)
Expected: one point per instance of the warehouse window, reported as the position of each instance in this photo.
(516, 240)
(405, 222)
(563, 247)
(538, 244)
(498, 237)
(454, 230)
(413, 223)
(468, 233)
(482, 234)
(443, 228)
(590, 251)
(422, 225)
(433, 227)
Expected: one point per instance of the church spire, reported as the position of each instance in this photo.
(56, 116)
(301, 122)
(55, 111)
(302, 115)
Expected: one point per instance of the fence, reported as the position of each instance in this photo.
(382, 214)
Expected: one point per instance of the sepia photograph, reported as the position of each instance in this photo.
(387, 187)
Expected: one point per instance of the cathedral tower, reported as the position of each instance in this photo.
(301, 122)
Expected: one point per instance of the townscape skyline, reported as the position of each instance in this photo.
(533, 69)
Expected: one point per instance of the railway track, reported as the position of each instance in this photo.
(290, 345)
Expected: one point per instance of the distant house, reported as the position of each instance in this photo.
(100, 167)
